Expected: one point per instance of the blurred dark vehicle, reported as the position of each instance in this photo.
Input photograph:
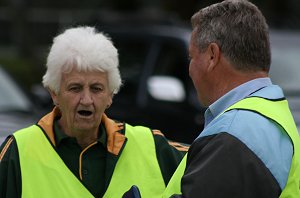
(285, 67)
(157, 91)
(16, 107)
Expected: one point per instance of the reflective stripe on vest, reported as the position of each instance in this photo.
(279, 112)
(44, 173)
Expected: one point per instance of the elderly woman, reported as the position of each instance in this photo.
(76, 150)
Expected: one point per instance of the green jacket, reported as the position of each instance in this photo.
(167, 156)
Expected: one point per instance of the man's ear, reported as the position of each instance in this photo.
(53, 96)
(214, 52)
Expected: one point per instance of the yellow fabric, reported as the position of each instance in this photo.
(282, 115)
(137, 165)
(174, 184)
(43, 172)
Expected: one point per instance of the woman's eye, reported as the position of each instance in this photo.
(74, 89)
(97, 89)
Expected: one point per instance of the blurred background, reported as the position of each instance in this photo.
(28, 26)
(152, 38)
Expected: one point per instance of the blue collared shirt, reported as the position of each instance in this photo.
(233, 96)
(267, 140)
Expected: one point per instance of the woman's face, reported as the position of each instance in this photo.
(82, 99)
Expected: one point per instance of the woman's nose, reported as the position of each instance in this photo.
(86, 98)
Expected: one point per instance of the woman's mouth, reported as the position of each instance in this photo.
(85, 113)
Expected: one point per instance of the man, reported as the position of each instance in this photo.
(249, 146)
(76, 150)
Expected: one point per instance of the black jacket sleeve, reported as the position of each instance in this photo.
(10, 174)
(222, 166)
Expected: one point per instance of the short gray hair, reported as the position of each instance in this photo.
(84, 49)
(240, 30)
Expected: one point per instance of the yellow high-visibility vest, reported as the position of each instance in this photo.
(278, 111)
(44, 173)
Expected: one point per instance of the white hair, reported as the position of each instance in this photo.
(84, 49)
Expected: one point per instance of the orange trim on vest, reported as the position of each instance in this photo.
(157, 132)
(5, 147)
(47, 124)
(115, 139)
(178, 146)
(80, 159)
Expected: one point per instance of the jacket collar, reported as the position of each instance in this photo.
(114, 131)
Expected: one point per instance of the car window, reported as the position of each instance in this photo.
(132, 55)
(11, 97)
(285, 65)
(172, 61)
(172, 64)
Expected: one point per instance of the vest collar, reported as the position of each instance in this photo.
(114, 131)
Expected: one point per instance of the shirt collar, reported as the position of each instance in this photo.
(233, 96)
(60, 135)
